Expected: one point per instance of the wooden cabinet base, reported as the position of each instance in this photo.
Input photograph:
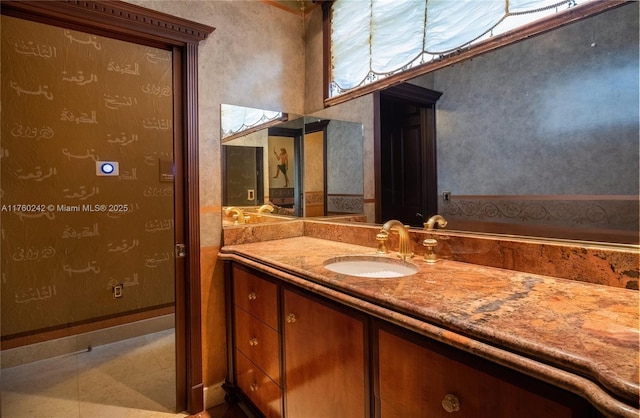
(418, 377)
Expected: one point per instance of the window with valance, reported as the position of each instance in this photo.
(375, 39)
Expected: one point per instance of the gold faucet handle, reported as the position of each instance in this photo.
(430, 255)
(382, 238)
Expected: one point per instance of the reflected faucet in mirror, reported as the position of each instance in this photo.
(238, 217)
(433, 221)
(265, 209)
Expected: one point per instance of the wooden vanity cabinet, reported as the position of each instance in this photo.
(417, 377)
(294, 354)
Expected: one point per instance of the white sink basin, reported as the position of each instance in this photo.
(370, 266)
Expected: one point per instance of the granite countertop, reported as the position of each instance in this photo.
(579, 336)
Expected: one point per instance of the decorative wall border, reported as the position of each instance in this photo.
(344, 203)
(614, 214)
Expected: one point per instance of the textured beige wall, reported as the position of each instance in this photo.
(264, 57)
(254, 58)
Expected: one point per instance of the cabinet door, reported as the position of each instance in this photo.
(324, 360)
(417, 382)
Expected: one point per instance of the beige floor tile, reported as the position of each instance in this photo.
(132, 378)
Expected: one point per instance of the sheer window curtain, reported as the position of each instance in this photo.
(373, 39)
(237, 119)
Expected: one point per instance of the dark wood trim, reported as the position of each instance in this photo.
(182, 333)
(326, 48)
(377, 158)
(124, 21)
(115, 19)
(231, 379)
(536, 28)
(193, 308)
(412, 93)
(428, 116)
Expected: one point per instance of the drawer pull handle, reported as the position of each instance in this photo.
(253, 342)
(291, 318)
(451, 403)
(253, 296)
(253, 387)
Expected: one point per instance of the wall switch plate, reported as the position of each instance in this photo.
(251, 194)
(446, 196)
(107, 168)
(117, 291)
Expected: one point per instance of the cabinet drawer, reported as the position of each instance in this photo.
(414, 381)
(258, 342)
(262, 391)
(257, 296)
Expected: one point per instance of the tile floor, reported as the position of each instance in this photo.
(101, 383)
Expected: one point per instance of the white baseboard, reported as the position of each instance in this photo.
(213, 395)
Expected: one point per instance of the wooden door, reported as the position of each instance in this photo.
(139, 25)
(324, 359)
(405, 153)
(403, 186)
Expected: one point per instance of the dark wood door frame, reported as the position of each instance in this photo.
(136, 24)
(421, 97)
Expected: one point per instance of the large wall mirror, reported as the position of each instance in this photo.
(540, 137)
(285, 165)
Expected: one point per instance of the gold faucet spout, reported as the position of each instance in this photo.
(239, 218)
(265, 208)
(404, 248)
(435, 219)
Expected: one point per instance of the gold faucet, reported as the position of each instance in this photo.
(430, 255)
(239, 217)
(265, 208)
(404, 248)
(435, 219)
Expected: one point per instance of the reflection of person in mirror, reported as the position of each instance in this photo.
(283, 165)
